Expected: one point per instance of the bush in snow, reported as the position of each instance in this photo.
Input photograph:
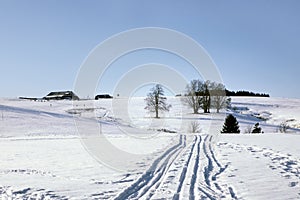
(248, 129)
(194, 127)
(283, 127)
(231, 125)
(256, 129)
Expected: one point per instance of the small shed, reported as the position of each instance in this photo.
(103, 96)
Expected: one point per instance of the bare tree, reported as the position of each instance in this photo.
(156, 101)
(206, 95)
(194, 127)
(248, 129)
(283, 127)
(218, 96)
(192, 97)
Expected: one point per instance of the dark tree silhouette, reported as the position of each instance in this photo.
(245, 93)
(256, 128)
(231, 125)
(206, 99)
(156, 101)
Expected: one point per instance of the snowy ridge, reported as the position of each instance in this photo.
(42, 156)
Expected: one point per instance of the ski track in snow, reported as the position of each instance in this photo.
(210, 187)
(194, 158)
(190, 166)
(153, 176)
(189, 169)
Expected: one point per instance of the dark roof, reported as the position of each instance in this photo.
(59, 95)
(103, 96)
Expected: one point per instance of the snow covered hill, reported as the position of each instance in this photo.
(43, 154)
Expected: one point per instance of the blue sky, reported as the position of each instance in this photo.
(255, 44)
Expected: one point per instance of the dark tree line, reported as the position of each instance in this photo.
(245, 93)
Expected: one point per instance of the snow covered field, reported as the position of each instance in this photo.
(43, 153)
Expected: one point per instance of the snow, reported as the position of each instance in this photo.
(45, 154)
(274, 110)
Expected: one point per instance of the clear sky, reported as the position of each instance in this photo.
(254, 43)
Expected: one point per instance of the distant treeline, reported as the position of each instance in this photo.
(245, 93)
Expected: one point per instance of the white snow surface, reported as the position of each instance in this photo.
(43, 155)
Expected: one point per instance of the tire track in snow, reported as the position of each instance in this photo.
(154, 174)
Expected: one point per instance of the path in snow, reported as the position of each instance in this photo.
(187, 170)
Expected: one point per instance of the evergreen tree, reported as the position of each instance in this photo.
(256, 128)
(156, 101)
(231, 125)
(206, 98)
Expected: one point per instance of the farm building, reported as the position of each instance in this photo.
(61, 95)
(103, 96)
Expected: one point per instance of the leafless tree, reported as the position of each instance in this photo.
(248, 129)
(192, 97)
(156, 101)
(283, 127)
(218, 96)
(194, 127)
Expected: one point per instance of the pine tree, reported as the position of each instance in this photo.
(256, 128)
(156, 101)
(206, 98)
(231, 125)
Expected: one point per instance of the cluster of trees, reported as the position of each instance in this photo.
(231, 125)
(198, 95)
(245, 93)
(205, 95)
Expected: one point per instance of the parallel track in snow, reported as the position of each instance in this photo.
(211, 188)
(198, 172)
(189, 173)
(151, 179)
